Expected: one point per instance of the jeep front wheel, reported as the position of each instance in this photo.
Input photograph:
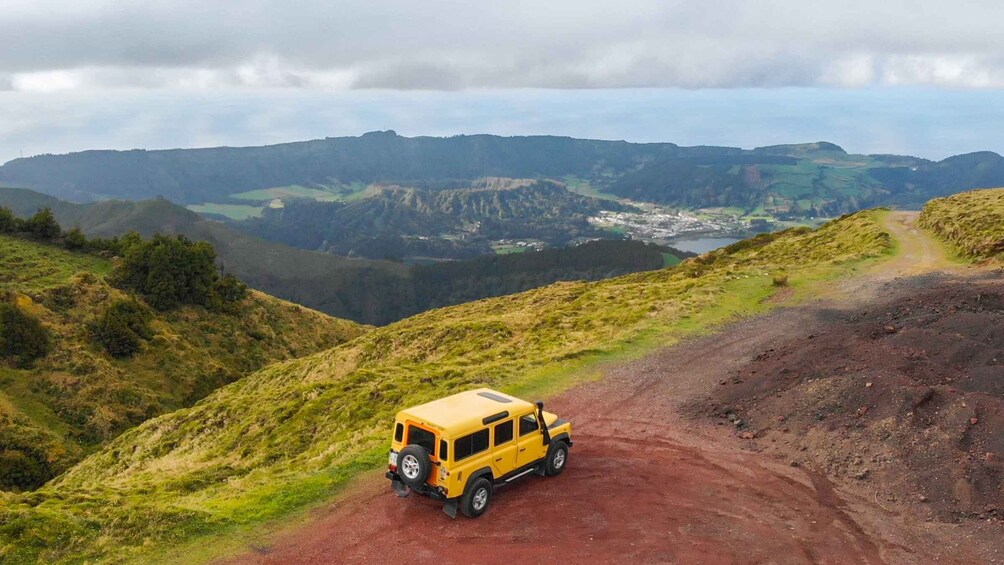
(475, 500)
(556, 459)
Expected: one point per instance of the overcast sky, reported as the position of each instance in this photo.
(916, 77)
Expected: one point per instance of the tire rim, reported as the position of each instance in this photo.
(480, 499)
(559, 458)
(409, 467)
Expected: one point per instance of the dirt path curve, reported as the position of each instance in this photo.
(646, 485)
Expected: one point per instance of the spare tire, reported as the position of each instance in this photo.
(413, 465)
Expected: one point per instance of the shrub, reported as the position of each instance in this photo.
(74, 239)
(20, 471)
(8, 222)
(43, 225)
(22, 336)
(122, 328)
(230, 289)
(780, 279)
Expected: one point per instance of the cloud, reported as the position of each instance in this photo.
(453, 44)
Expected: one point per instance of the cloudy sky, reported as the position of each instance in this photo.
(925, 78)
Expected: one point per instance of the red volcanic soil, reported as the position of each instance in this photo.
(907, 396)
(661, 474)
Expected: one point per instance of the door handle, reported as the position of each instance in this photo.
(523, 449)
(499, 459)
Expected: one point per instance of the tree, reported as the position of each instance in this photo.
(170, 271)
(43, 225)
(22, 336)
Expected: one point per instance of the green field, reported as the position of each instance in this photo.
(292, 191)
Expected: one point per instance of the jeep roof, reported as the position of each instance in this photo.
(460, 412)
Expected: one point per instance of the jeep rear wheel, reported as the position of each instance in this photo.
(413, 466)
(556, 459)
(475, 500)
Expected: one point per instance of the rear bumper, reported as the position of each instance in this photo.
(425, 489)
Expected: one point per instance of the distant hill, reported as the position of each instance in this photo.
(368, 291)
(77, 397)
(797, 180)
(452, 223)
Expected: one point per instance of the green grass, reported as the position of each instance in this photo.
(28, 267)
(292, 434)
(971, 223)
(232, 211)
(508, 249)
(584, 188)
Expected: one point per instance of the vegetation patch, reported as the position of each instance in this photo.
(971, 222)
(292, 433)
(111, 361)
(22, 337)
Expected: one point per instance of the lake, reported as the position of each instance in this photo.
(702, 244)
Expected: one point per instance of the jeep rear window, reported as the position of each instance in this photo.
(470, 444)
(424, 438)
(443, 452)
(399, 432)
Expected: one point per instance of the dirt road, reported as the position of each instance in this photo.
(646, 484)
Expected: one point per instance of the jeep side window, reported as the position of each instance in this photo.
(470, 444)
(503, 433)
(419, 436)
(399, 432)
(527, 424)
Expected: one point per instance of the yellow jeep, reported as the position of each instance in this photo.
(460, 448)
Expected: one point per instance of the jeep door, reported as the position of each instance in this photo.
(529, 443)
(504, 448)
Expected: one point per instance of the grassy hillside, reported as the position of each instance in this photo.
(972, 222)
(78, 397)
(368, 291)
(292, 433)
